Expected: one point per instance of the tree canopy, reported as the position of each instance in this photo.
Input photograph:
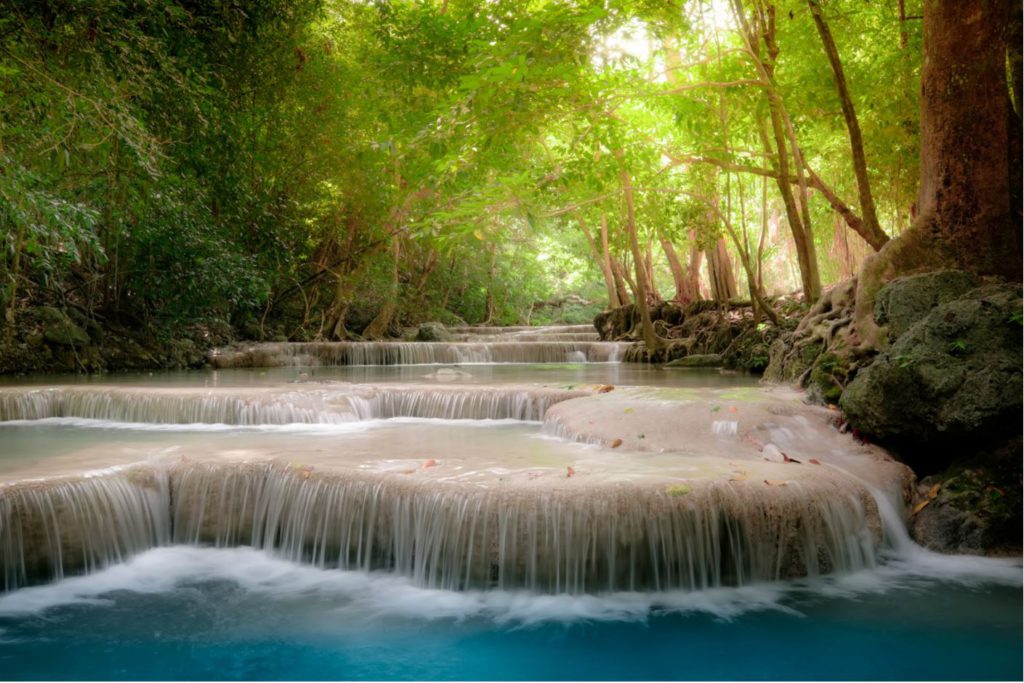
(336, 168)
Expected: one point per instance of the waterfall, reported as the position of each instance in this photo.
(583, 539)
(274, 354)
(315, 406)
(161, 406)
(469, 403)
(50, 528)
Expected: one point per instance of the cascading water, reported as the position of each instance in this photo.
(413, 353)
(623, 537)
(426, 511)
(51, 528)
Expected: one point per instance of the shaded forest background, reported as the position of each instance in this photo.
(331, 169)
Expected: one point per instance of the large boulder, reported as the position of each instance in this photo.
(906, 300)
(432, 332)
(950, 382)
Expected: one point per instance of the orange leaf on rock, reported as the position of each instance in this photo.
(430, 463)
(775, 482)
(920, 506)
(616, 443)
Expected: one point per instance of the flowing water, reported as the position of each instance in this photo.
(413, 517)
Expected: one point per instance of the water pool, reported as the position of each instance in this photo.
(185, 613)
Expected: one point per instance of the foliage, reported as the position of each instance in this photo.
(297, 165)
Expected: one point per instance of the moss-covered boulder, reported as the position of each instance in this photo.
(432, 332)
(952, 379)
(58, 328)
(906, 300)
(974, 506)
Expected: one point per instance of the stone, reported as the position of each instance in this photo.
(700, 360)
(906, 300)
(951, 382)
(432, 332)
(59, 329)
(972, 509)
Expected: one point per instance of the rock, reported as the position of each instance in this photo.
(906, 300)
(59, 329)
(700, 360)
(951, 382)
(432, 332)
(975, 509)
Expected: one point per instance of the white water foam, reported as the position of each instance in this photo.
(358, 596)
(324, 428)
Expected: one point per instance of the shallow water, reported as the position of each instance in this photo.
(184, 612)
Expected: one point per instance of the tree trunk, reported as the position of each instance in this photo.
(970, 147)
(868, 212)
(678, 274)
(378, 327)
(602, 259)
(621, 288)
(651, 339)
(723, 282)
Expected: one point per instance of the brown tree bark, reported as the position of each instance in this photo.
(970, 150)
(378, 327)
(723, 282)
(651, 339)
(623, 283)
(602, 259)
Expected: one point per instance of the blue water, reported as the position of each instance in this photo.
(189, 613)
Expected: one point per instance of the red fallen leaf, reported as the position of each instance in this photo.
(786, 458)
(814, 461)
(733, 409)
(430, 463)
(569, 472)
(616, 443)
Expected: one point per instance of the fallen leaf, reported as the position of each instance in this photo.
(629, 410)
(739, 475)
(430, 463)
(934, 491)
(408, 471)
(775, 482)
(605, 388)
(677, 489)
(616, 443)
(814, 461)
(786, 458)
(733, 409)
(920, 506)
(569, 472)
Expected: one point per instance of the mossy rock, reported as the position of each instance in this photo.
(973, 507)
(953, 379)
(906, 300)
(432, 332)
